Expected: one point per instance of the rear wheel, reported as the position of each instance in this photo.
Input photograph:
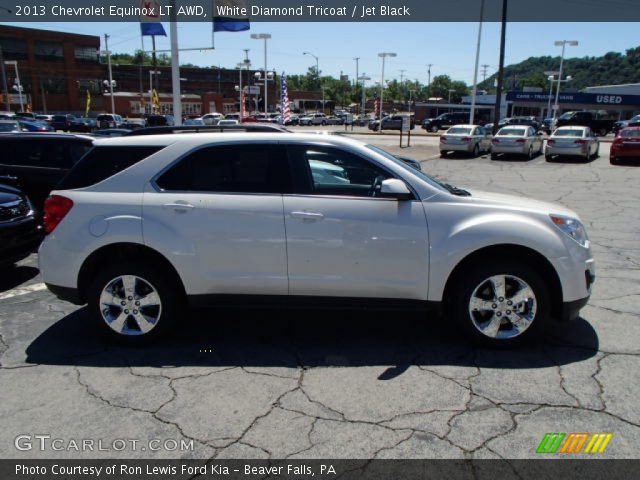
(602, 132)
(444, 154)
(501, 304)
(494, 156)
(548, 158)
(530, 154)
(476, 150)
(134, 303)
(614, 160)
(433, 129)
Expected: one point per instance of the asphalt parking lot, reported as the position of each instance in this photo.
(346, 384)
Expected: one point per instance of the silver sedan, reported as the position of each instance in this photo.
(517, 140)
(471, 139)
(574, 141)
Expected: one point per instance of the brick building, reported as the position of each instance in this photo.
(56, 69)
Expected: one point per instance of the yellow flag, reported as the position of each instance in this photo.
(86, 111)
(155, 100)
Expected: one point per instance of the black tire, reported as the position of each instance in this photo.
(324, 124)
(602, 132)
(167, 287)
(474, 276)
(548, 158)
(433, 129)
(476, 151)
(494, 156)
(614, 161)
(444, 154)
(530, 154)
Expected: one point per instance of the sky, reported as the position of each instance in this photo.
(450, 47)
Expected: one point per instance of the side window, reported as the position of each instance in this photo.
(29, 154)
(231, 169)
(335, 172)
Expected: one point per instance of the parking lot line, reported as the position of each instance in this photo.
(36, 287)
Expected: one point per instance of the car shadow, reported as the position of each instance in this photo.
(571, 159)
(628, 162)
(505, 157)
(14, 276)
(294, 338)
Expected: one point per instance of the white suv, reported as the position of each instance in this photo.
(143, 224)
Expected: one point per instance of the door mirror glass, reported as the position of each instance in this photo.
(394, 188)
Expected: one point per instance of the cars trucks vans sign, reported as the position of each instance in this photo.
(576, 98)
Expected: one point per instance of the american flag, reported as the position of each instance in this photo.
(285, 108)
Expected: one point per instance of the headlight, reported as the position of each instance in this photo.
(572, 227)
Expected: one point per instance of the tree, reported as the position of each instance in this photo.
(441, 84)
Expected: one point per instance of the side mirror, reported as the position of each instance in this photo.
(394, 188)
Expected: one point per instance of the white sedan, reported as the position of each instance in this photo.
(517, 140)
(572, 141)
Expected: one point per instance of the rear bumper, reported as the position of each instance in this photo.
(568, 151)
(19, 239)
(513, 150)
(465, 147)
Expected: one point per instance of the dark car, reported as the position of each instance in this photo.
(62, 122)
(20, 232)
(35, 163)
(529, 121)
(634, 122)
(392, 122)
(548, 125)
(445, 121)
(83, 125)
(35, 126)
(112, 132)
(160, 121)
(596, 121)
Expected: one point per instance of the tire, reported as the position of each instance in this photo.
(614, 161)
(472, 303)
(494, 156)
(444, 154)
(530, 154)
(548, 158)
(324, 124)
(106, 295)
(476, 151)
(602, 132)
(433, 129)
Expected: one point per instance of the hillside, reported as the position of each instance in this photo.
(612, 68)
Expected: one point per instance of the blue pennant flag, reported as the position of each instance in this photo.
(150, 22)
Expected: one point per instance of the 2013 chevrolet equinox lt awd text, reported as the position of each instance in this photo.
(142, 225)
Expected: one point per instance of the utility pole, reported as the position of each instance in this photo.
(474, 92)
(357, 59)
(503, 34)
(484, 72)
(402, 83)
(106, 46)
(5, 90)
(175, 67)
(429, 80)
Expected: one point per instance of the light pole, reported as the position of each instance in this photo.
(551, 77)
(363, 79)
(317, 73)
(240, 66)
(383, 55)
(563, 44)
(475, 71)
(108, 53)
(429, 80)
(265, 37)
(18, 85)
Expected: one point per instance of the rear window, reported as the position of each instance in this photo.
(568, 133)
(102, 163)
(59, 118)
(630, 133)
(512, 131)
(459, 131)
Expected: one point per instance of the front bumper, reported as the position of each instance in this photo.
(18, 239)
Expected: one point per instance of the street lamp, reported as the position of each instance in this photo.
(563, 44)
(18, 85)
(451, 90)
(383, 55)
(551, 75)
(265, 37)
(317, 68)
(363, 79)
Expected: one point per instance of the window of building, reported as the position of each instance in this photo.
(86, 54)
(91, 84)
(51, 50)
(54, 83)
(13, 48)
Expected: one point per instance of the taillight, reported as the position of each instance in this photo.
(495, 141)
(443, 139)
(550, 142)
(466, 139)
(520, 141)
(580, 142)
(56, 208)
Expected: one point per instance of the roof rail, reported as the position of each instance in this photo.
(252, 127)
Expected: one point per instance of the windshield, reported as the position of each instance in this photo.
(519, 132)
(566, 116)
(430, 180)
(459, 131)
(568, 133)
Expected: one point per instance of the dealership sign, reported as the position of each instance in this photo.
(578, 98)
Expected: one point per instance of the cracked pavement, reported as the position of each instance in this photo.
(345, 384)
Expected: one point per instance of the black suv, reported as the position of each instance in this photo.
(20, 233)
(36, 162)
(445, 121)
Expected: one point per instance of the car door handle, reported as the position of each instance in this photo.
(180, 207)
(308, 216)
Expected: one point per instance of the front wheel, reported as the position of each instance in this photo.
(501, 304)
(433, 129)
(133, 303)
